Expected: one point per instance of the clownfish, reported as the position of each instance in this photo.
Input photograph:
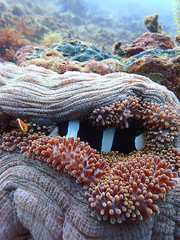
(22, 127)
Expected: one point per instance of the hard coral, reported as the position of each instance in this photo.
(162, 66)
(145, 42)
(52, 58)
(76, 50)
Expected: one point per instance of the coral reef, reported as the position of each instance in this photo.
(120, 187)
(145, 42)
(162, 66)
(71, 55)
(35, 20)
(11, 40)
(70, 117)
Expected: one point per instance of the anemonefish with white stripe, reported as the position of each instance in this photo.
(22, 127)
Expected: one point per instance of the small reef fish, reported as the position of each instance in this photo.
(20, 125)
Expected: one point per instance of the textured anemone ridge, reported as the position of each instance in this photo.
(35, 92)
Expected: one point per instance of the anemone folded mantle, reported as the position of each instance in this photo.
(41, 93)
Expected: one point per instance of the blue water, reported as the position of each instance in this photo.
(138, 9)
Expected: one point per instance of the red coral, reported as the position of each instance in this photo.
(28, 29)
(10, 41)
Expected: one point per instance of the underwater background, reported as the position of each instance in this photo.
(100, 22)
(89, 119)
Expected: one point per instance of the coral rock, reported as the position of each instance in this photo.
(152, 23)
(162, 66)
(70, 48)
(145, 42)
(55, 59)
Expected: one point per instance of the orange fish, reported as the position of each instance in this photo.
(20, 124)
